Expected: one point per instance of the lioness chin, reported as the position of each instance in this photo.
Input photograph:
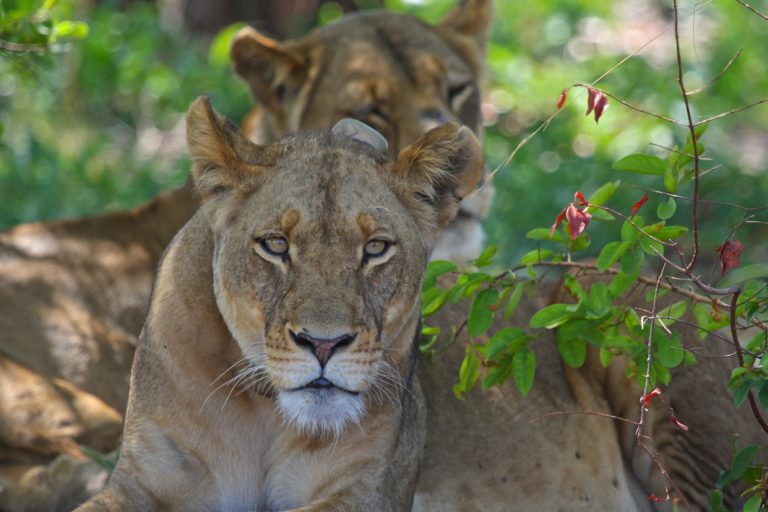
(276, 366)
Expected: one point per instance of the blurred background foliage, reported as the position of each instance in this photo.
(93, 93)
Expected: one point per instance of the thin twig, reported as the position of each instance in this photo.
(694, 143)
(702, 201)
(22, 48)
(673, 150)
(588, 413)
(718, 116)
(737, 345)
(745, 4)
(718, 77)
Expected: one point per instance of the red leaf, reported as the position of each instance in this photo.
(578, 220)
(558, 220)
(729, 254)
(655, 498)
(591, 100)
(682, 426)
(647, 399)
(601, 104)
(637, 205)
(561, 101)
(580, 198)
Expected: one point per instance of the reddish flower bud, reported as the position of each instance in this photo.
(729, 254)
(578, 220)
(637, 205)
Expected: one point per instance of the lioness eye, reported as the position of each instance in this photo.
(376, 248)
(275, 245)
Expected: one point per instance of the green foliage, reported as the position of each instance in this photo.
(98, 121)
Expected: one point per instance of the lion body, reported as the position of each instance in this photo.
(270, 438)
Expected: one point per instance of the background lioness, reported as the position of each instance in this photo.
(297, 285)
(74, 293)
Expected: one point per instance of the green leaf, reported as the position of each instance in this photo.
(599, 301)
(497, 375)
(486, 257)
(436, 269)
(480, 316)
(762, 395)
(621, 283)
(434, 305)
(603, 194)
(741, 460)
(670, 179)
(468, 374)
(509, 339)
(611, 253)
(598, 214)
(218, 53)
(740, 394)
(581, 329)
(669, 349)
(716, 501)
(543, 234)
(629, 232)
(523, 369)
(514, 300)
(605, 357)
(536, 256)
(739, 275)
(666, 209)
(673, 312)
(753, 504)
(632, 261)
(651, 247)
(641, 164)
(68, 28)
(551, 316)
(573, 350)
(669, 232)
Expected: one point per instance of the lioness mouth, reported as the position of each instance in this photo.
(323, 383)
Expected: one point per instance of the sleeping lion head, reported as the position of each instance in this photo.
(321, 241)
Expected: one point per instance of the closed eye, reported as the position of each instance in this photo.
(458, 94)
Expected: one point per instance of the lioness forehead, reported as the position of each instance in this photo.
(325, 176)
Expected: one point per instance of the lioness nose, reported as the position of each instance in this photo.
(323, 348)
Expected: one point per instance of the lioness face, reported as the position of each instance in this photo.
(388, 70)
(321, 243)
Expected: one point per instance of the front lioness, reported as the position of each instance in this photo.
(73, 294)
(300, 277)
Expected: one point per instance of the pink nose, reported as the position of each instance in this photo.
(323, 348)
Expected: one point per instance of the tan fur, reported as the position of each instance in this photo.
(224, 307)
(74, 293)
(388, 70)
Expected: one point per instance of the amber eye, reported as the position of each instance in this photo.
(376, 248)
(274, 245)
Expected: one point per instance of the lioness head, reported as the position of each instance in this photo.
(320, 246)
(389, 70)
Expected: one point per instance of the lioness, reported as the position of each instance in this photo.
(74, 293)
(301, 276)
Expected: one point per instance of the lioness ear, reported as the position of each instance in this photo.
(438, 170)
(223, 157)
(269, 67)
(466, 29)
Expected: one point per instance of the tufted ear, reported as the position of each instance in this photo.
(437, 171)
(272, 69)
(223, 158)
(470, 18)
